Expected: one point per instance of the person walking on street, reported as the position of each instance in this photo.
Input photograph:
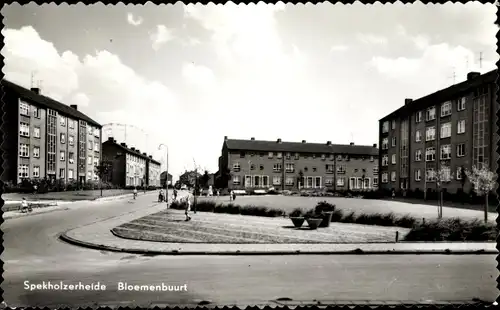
(175, 195)
(234, 196)
(188, 207)
(231, 195)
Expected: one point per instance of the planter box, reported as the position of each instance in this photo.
(327, 219)
(297, 221)
(313, 223)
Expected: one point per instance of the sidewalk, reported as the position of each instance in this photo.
(99, 236)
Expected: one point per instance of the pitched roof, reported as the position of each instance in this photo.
(46, 102)
(298, 147)
(129, 150)
(446, 94)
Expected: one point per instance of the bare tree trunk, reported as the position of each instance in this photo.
(441, 204)
(486, 209)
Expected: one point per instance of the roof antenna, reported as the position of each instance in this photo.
(480, 60)
(33, 73)
(454, 76)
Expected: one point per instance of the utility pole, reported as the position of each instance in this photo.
(166, 177)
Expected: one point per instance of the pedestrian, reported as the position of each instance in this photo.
(218, 193)
(393, 194)
(175, 195)
(234, 196)
(35, 189)
(231, 196)
(188, 207)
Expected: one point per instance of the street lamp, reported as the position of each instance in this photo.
(166, 177)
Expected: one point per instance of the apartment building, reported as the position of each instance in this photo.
(45, 138)
(450, 130)
(130, 167)
(255, 164)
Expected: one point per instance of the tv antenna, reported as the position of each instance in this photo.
(480, 60)
(454, 76)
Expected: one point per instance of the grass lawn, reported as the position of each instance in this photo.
(67, 196)
(347, 205)
(169, 226)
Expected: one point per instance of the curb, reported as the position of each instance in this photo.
(357, 251)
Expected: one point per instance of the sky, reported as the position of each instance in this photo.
(188, 75)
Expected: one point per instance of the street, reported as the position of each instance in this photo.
(33, 253)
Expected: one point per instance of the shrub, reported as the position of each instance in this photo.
(405, 221)
(254, 210)
(298, 212)
(453, 230)
(337, 215)
(324, 206)
(206, 206)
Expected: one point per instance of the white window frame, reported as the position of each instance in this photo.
(236, 179)
(393, 124)
(418, 155)
(36, 132)
(276, 180)
(385, 143)
(430, 175)
(23, 171)
(62, 138)
(445, 155)
(320, 182)
(393, 141)
(341, 181)
(418, 117)
(271, 155)
(24, 108)
(393, 159)
(430, 151)
(366, 183)
(385, 177)
(461, 103)
(36, 152)
(375, 170)
(393, 176)
(89, 161)
(71, 123)
(418, 136)
(236, 167)
(385, 127)
(277, 167)
(279, 155)
(352, 183)
(418, 175)
(62, 121)
(330, 168)
(375, 182)
(36, 171)
(71, 140)
(24, 129)
(24, 150)
(91, 145)
(430, 116)
(328, 181)
(96, 147)
(71, 159)
(385, 160)
(459, 173)
(461, 126)
(289, 167)
(62, 155)
(458, 150)
(71, 174)
(63, 174)
(446, 108)
(428, 135)
(445, 130)
(289, 181)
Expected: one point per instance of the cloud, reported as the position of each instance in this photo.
(367, 38)
(198, 75)
(132, 21)
(339, 48)
(161, 36)
(103, 87)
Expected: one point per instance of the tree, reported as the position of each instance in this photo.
(443, 175)
(483, 182)
(300, 178)
(223, 178)
(102, 170)
(204, 179)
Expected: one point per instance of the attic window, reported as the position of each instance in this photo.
(242, 154)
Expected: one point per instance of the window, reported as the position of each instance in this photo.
(375, 182)
(89, 160)
(63, 138)
(446, 151)
(317, 182)
(70, 174)
(288, 155)
(36, 132)
(329, 169)
(62, 155)
(289, 181)
(446, 177)
(461, 126)
(297, 156)
(24, 150)
(430, 175)
(36, 171)
(430, 114)
(461, 150)
(341, 169)
(252, 167)
(393, 159)
(430, 133)
(279, 155)
(271, 154)
(276, 180)
(332, 157)
(323, 157)
(89, 175)
(459, 173)
(36, 112)
(385, 177)
(418, 155)
(71, 124)
(461, 104)
(418, 136)
(24, 129)
(328, 181)
(61, 173)
(375, 170)
(236, 167)
(393, 124)
(446, 130)
(62, 121)
(418, 175)
(314, 169)
(261, 167)
(290, 167)
(366, 184)
(341, 182)
(418, 117)
(385, 160)
(393, 176)
(372, 158)
(96, 132)
(385, 143)
(277, 167)
(71, 140)
(71, 157)
(36, 152)
(91, 145)
(385, 127)
(430, 154)
(24, 108)
(23, 171)
(394, 141)
(446, 109)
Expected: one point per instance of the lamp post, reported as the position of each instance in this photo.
(166, 177)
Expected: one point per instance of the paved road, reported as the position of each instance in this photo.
(32, 253)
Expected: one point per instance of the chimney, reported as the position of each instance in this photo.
(74, 106)
(351, 144)
(375, 145)
(114, 141)
(279, 140)
(123, 144)
(150, 157)
(132, 148)
(472, 75)
(252, 138)
(408, 101)
(138, 151)
(36, 90)
(225, 138)
(144, 154)
(303, 141)
(110, 139)
(328, 142)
